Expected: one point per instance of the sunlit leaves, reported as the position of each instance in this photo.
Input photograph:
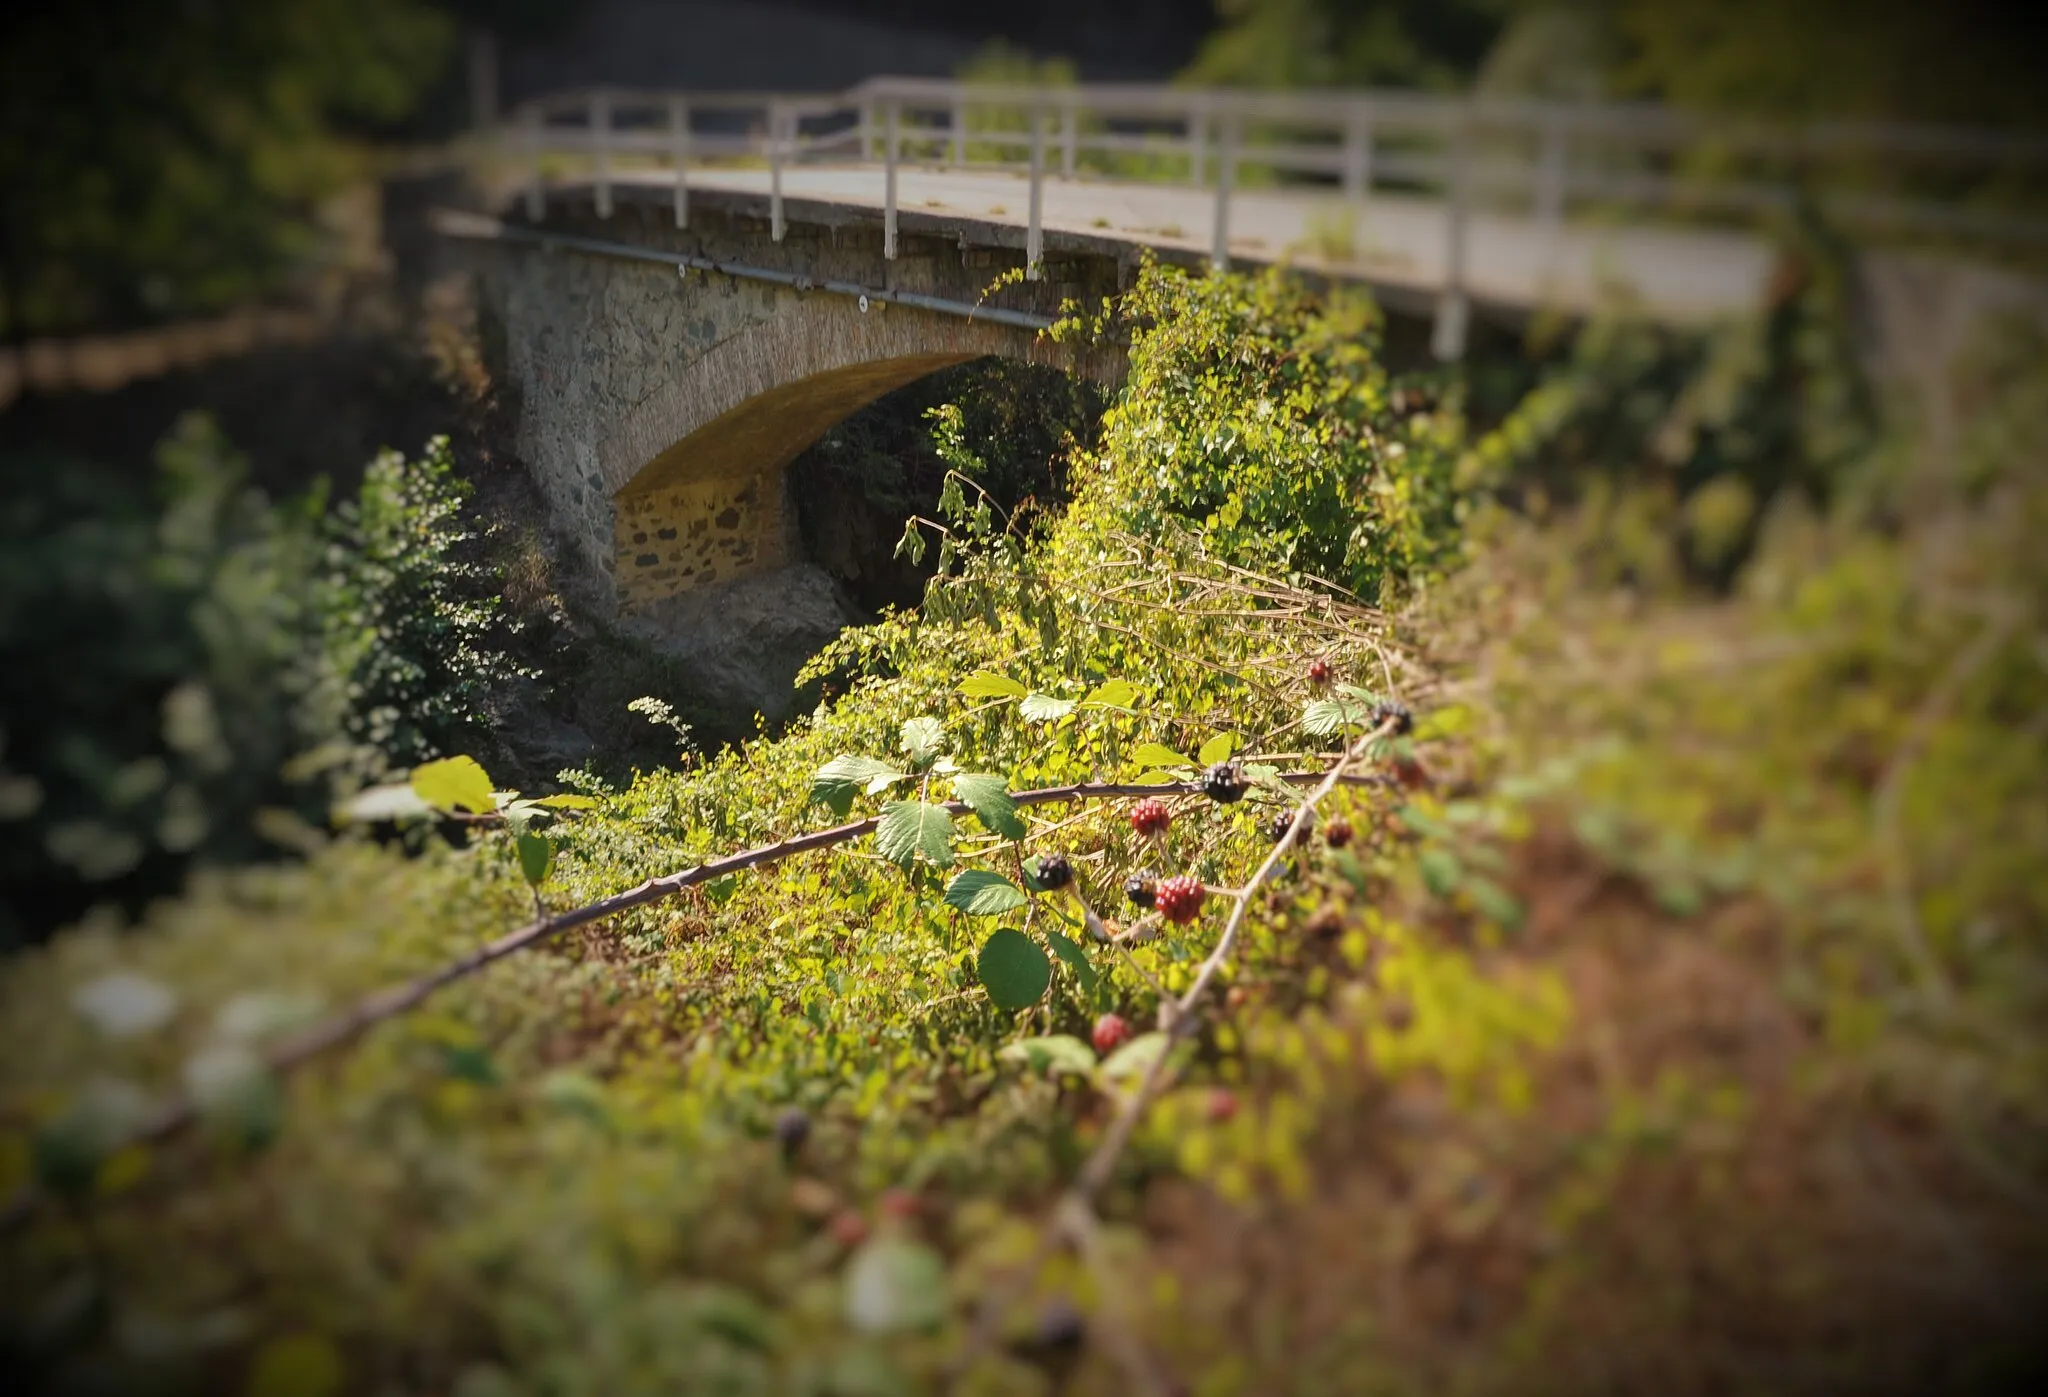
(989, 798)
(983, 684)
(1013, 970)
(980, 893)
(838, 781)
(1044, 708)
(910, 830)
(1156, 754)
(454, 783)
(536, 855)
(1053, 1054)
(1217, 749)
(1112, 693)
(923, 738)
(1328, 717)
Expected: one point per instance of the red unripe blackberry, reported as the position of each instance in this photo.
(1319, 673)
(1180, 899)
(1054, 872)
(899, 1203)
(848, 1227)
(1337, 833)
(1222, 1104)
(1412, 774)
(1142, 889)
(1109, 1033)
(1224, 782)
(1236, 998)
(1150, 816)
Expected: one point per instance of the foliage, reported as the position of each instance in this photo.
(187, 680)
(1683, 967)
(171, 159)
(411, 621)
(1331, 43)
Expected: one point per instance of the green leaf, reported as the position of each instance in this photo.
(1441, 871)
(1055, 1053)
(536, 853)
(454, 783)
(1069, 950)
(1044, 708)
(383, 803)
(894, 1284)
(1328, 717)
(980, 893)
(297, 1365)
(922, 738)
(720, 890)
(1112, 693)
(568, 802)
(1217, 749)
(1013, 970)
(1156, 777)
(910, 828)
(989, 798)
(1424, 823)
(1157, 754)
(983, 684)
(839, 780)
(1493, 902)
(1134, 1058)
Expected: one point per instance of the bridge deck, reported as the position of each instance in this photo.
(1395, 243)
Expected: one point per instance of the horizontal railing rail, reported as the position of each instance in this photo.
(1557, 161)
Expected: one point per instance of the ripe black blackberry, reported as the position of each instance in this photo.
(1337, 833)
(1142, 889)
(1225, 782)
(1054, 872)
(792, 1128)
(1404, 721)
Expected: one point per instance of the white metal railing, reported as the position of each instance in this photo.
(1555, 160)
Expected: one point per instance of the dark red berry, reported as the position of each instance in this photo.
(1411, 773)
(1150, 816)
(1236, 998)
(1222, 1104)
(848, 1227)
(1142, 889)
(1224, 782)
(1280, 824)
(1110, 1032)
(1337, 833)
(900, 1204)
(1319, 673)
(1180, 899)
(1054, 872)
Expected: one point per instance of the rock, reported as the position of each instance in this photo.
(745, 641)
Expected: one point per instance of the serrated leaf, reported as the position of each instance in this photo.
(911, 829)
(1441, 871)
(983, 684)
(839, 780)
(454, 783)
(1155, 777)
(1044, 708)
(568, 802)
(1328, 717)
(1217, 749)
(989, 798)
(1055, 1053)
(1069, 950)
(980, 893)
(536, 853)
(1012, 969)
(922, 738)
(1112, 693)
(1158, 754)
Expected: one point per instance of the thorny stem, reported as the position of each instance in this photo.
(387, 1003)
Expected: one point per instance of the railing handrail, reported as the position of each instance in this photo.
(1558, 153)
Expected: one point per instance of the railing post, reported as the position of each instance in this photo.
(867, 128)
(1070, 136)
(1550, 174)
(1198, 126)
(600, 145)
(1226, 171)
(536, 189)
(775, 121)
(1034, 234)
(1358, 152)
(959, 129)
(1447, 338)
(889, 112)
(679, 142)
